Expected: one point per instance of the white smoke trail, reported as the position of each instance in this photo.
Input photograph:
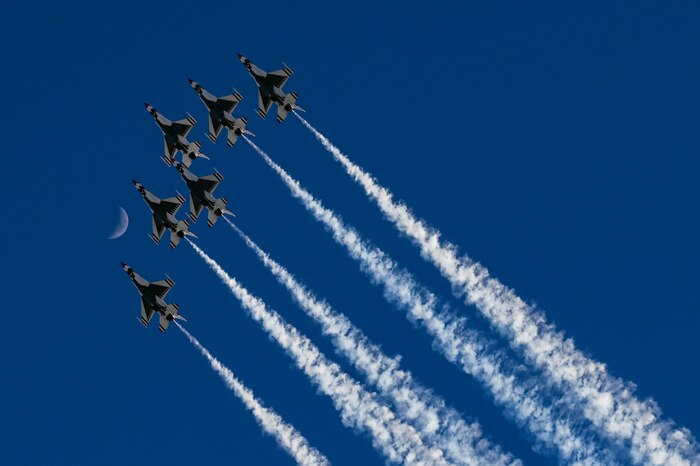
(436, 422)
(607, 402)
(460, 346)
(399, 442)
(287, 437)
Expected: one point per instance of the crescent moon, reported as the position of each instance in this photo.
(122, 225)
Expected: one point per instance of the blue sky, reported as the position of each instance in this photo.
(556, 144)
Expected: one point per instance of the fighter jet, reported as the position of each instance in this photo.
(201, 194)
(270, 89)
(152, 299)
(164, 211)
(175, 137)
(220, 114)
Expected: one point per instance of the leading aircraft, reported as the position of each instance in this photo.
(270, 89)
(175, 137)
(164, 211)
(220, 114)
(201, 194)
(153, 299)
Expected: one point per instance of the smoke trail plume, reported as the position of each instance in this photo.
(436, 422)
(287, 437)
(463, 347)
(359, 408)
(607, 402)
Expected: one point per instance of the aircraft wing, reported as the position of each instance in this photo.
(146, 313)
(162, 287)
(228, 102)
(173, 204)
(183, 127)
(214, 129)
(158, 230)
(279, 77)
(195, 207)
(264, 103)
(209, 183)
(170, 150)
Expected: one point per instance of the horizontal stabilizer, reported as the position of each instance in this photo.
(164, 322)
(232, 138)
(281, 115)
(193, 153)
(218, 210)
(288, 105)
(212, 218)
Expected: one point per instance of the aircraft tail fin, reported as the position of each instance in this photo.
(180, 232)
(218, 210)
(287, 106)
(239, 128)
(193, 153)
(172, 311)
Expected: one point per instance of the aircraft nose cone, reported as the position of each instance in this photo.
(135, 182)
(145, 104)
(239, 56)
(123, 264)
(191, 81)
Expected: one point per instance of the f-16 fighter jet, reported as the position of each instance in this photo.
(152, 299)
(164, 211)
(175, 137)
(201, 194)
(270, 89)
(220, 109)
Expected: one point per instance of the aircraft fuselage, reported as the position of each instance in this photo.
(165, 217)
(151, 300)
(206, 199)
(275, 94)
(218, 114)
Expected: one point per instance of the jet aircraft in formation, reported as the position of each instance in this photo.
(270, 89)
(201, 189)
(201, 194)
(164, 211)
(175, 137)
(153, 299)
(220, 114)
